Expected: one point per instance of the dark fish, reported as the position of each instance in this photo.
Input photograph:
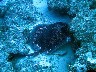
(46, 38)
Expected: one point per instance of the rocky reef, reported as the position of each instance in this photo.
(83, 25)
(15, 16)
(68, 7)
(21, 25)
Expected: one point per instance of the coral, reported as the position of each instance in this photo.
(18, 18)
(84, 26)
(62, 5)
(15, 16)
(93, 5)
(70, 7)
(19, 15)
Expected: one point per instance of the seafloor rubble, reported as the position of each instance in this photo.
(18, 16)
(15, 16)
(84, 26)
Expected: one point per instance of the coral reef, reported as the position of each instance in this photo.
(17, 20)
(70, 7)
(93, 5)
(15, 16)
(84, 26)
(61, 5)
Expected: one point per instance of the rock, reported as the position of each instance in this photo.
(4, 28)
(93, 5)
(91, 70)
(84, 29)
(68, 7)
(61, 6)
(3, 10)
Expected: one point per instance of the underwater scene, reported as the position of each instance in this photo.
(47, 35)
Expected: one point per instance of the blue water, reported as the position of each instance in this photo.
(1, 0)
